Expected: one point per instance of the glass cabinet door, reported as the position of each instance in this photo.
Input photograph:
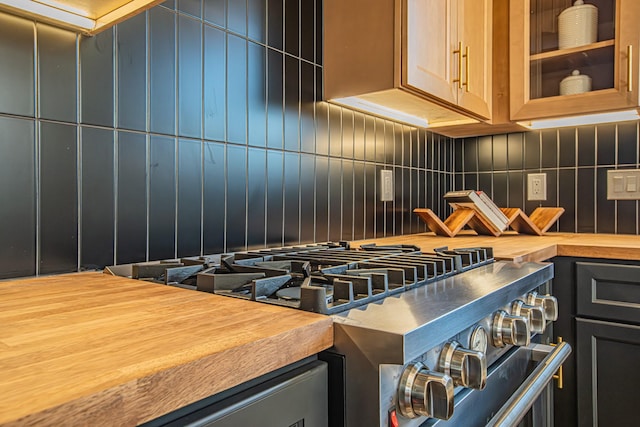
(573, 57)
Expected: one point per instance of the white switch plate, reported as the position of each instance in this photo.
(623, 184)
(537, 186)
(386, 185)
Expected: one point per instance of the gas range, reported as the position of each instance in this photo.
(417, 334)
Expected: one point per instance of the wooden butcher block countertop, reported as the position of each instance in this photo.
(94, 349)
(520, 248)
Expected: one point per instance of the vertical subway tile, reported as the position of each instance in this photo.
(132, 73)
(191, 7)
(162, 197)
(379, 140)
(131, 214)
(162, 71)
(97, 210)
(236, 197)
(606, 144)
(257, 20)
(398, 196)
(415, 196)
(189, 196)
(307, 198)
(189, 77)
(516, 190)
(275, 197)
(335, 199)
(335, 130)
(256, 193)
(215, 11)
(257, 95)
(567, 151)
(319, 28)
(169, 4)
(97, 78)
(292, 27)
(500, 189)
(237, 16)
(213, 232)
(586, 146)
(369, 138)
(470, 181)
(18, 218)
(322, 199)
(549, 143)
(398, 145)
(275, 24)
(552, 188)
(347, 200)
(627, 215)
(215, 88)
(359, 137)
(291, 103)
(627, 143)
(291, 198)
(16, 68)
(586, 200)
(236, 89)
(58, 198)
(322, 128)
(485, 154)
(422, 190)
(421, 142)
(532, 150)
(380, 212)
(307, 30)
(307, 110)
(57, 73)
(500, 155)
(370, 199)
(567, 199)
(275, 108)
(606, 214)
(515, 150)
(358, 200)
(470, 154)
(485, 183)
(389, 142)
(347, 134)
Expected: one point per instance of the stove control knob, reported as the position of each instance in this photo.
(548, 303)
(425, 393)
(468, 368)
(510, 330)
(535, 314)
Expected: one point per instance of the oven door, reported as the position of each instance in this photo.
(519, 390)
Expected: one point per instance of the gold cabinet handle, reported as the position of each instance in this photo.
(630, 68)
(467, 67)
(459, 79)
(559, 376)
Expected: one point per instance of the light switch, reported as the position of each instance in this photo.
(632, 186)
(623, 184)
(386, 185)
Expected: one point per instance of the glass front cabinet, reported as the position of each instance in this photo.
(572, 57)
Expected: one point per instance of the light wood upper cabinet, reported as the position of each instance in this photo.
(448, 51)
(427, 58)
(537, 65)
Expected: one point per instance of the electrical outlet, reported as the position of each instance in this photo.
(623, 184)
(537, 186)
(386, 185)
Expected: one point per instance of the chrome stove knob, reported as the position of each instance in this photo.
(467, 368)
(548, 303)
(510, 330)
(425, 393)
(535, 315)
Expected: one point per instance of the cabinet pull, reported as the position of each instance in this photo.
(467, 67)
(459, 52)
(559, 376)
(630, 68)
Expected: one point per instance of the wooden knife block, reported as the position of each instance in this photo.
(540, 220)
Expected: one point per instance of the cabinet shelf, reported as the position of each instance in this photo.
(560, 53)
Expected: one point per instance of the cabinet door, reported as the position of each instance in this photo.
(607, 373)
(538, 65)
(429, 62)
(475, 32)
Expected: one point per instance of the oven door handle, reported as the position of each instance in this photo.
(519, 404)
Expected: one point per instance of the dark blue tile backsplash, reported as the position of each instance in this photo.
(194, 128)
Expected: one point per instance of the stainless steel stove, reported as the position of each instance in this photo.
(420, 336)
